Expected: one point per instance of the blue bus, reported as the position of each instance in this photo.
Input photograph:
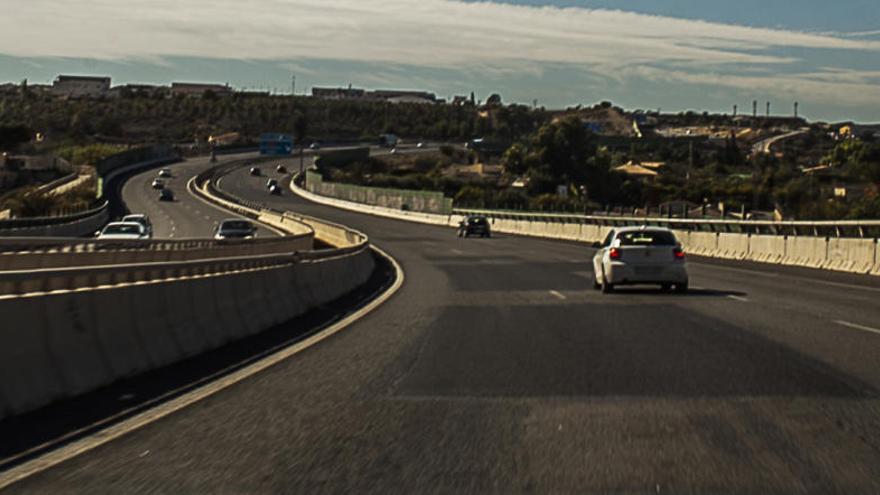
(275, 144)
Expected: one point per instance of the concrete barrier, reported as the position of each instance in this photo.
(851, 255)
(732, 246)
(71, 342)
(767, 248)
(810, 252)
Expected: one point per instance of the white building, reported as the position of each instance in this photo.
(80, 86)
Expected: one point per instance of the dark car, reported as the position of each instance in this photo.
(281, 169)
(474, 225)
(166, 195)
(255, 171)
(270, 183)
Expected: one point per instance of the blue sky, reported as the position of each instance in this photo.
(674, 55)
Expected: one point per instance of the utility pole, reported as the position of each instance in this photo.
(768, 109)
(795, 109)
(755, 108)
(734, 110)
(293, 85)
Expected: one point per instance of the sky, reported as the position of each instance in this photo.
(672, 55)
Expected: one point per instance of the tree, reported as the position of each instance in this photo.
(13, 136)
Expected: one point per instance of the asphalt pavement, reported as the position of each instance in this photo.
(497, 369)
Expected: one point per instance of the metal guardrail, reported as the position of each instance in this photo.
(43, 281)
(815, 228)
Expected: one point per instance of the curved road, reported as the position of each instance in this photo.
(497, 370)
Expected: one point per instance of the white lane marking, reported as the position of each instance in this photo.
(738, 298)
(457, 251)
(857, 326)
(207, 217)
(558, 294)
(794, 277)
(161, 410)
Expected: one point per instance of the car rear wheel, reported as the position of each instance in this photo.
(606, 287)
(666, 287)
(681, 288)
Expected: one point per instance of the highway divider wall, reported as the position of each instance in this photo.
(67, 339)
(401, 199)
(71, 330)
(854, 255)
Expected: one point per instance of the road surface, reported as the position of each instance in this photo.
(497, 369)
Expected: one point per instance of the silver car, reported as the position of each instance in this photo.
(141, 219)
(123, 231)
(640, 256)
(235, 228)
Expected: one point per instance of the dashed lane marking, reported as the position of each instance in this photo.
(857, 326)
(738, 298)
(558, 294)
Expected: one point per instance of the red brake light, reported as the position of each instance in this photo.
(679, 253)
(615, 253)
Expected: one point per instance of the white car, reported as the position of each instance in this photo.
(123, 231)
(235, 228)
(640, 255)
(141, 219)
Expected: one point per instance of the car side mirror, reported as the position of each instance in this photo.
(596, 245)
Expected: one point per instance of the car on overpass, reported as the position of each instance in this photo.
(142, 219)
(640, 256)
(271, 182)
(255, 171)
(157, 184)
(275, 190)
(123, 231)
(165, 172)
(281, 169)
(235, 228)
(166, 195)
(474, 225)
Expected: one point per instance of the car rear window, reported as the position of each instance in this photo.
(123, 229)
(647, 238)
(477, 220)
(236, 225)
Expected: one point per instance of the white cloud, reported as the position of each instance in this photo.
(440, 33)
(497, 37)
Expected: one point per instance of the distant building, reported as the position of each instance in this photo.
(199, 90)
(402, 95)
(460, 101)
(138, 90)
(638, 172)
(385, 95)
(81, 86)
(338, 93)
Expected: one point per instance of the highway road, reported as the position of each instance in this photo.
(496, 369)
(186, 216)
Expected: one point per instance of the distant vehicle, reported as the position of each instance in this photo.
(474, 225)
(315, 146)
(141, 219)
(124, 231)
(235, 228)
(166, 195)
(393, 151)
(420, 145)
(255, 171)
(640, 255)
(158, 183)
(275, 144)
(275, 190)
(388, 140)
(165, 172)
(271, 182)
(281, 169)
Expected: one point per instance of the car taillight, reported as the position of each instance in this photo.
(615, 254)
(679, 253)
